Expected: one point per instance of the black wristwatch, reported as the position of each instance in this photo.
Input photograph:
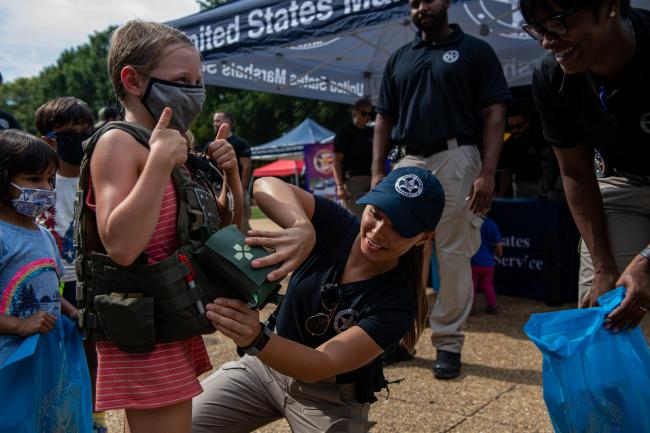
(645, 253)
(257, 346)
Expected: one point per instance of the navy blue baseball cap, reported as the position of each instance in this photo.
(411, 197)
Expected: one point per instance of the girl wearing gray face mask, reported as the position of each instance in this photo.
(156, 75)
(186, 99)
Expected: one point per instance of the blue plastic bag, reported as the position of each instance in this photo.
(45, 384)
(595, 381)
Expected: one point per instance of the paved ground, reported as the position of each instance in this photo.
(499, 390)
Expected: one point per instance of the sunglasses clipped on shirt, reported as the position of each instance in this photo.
(554, 25)
(330, 298)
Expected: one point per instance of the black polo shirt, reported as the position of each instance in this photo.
(572, 112)
(241, 147)
(384, 306)
(436, 91)
(356, 146)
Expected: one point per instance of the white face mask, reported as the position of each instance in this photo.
(185, 100)
(33, 201)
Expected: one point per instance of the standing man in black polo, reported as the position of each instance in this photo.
(243, 153)
(520, 163)
(442, 96)
(353, 154)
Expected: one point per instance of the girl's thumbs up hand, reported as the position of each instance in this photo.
(167, 145)
(221, 151)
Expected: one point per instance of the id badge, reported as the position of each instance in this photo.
(395, 154)
(600, 166)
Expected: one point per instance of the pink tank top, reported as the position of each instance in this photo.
(163, 242)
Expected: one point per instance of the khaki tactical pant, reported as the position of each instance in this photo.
(626, 202)
(457, 239)
(246, 394)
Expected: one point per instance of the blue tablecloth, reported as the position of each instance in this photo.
(540, 256)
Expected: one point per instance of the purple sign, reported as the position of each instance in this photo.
(319, 170)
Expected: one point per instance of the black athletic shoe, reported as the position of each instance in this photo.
(447, 365)
(396, 353)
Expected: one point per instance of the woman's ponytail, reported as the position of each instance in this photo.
(411, 265)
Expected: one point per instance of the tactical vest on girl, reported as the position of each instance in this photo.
(140, 305)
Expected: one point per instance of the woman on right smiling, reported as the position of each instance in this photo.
(592, 91)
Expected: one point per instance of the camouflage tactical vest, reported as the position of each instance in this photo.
(140, 305)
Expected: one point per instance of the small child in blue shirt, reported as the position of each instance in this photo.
(483, 263)
(56, 398)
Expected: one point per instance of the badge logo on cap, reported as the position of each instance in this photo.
(409, 185)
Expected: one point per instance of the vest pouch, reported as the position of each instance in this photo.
(228, 258)
(179, 304)
(127, 320)
(177, 308)
(210, 285)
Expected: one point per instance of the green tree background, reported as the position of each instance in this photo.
(82, 72)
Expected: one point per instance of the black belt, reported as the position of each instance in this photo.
(604, 168)
(438, 146)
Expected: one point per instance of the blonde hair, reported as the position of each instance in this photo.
(141, 45)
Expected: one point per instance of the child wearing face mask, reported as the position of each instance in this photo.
(64, 123)
(131, 169)
(30, 275)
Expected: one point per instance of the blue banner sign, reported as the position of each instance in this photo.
(540, 255)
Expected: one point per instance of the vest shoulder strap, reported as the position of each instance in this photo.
(138, 132)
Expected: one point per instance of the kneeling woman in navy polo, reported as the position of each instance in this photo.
(357, 290)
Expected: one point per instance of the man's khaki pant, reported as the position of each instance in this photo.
(457, 239)
(246, 394)
(626, 202)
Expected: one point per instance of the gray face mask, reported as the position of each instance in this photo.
(185, 100)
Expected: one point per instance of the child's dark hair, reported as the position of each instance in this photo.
(62, 111)
(21, 152)
(531, 8)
